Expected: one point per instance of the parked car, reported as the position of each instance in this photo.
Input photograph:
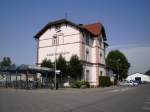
(135, 83)
(126, 83)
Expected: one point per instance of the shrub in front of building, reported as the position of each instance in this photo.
(104, 81)
(80, 84)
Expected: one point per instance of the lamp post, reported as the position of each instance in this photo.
(55, 37)
(55, 60)
(118, 68)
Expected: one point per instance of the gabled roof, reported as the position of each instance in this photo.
(94, 29)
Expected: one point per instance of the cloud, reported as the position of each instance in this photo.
(138, 56)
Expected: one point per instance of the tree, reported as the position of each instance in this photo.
(118, 63)
(61, 65)
(47, 63)
(6, 62)
(147, 72)
(75, 67)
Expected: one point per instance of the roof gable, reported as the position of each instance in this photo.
(95, 29)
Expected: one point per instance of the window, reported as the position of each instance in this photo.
(57, 28)
(61, 39)
(87, 55)
(100, 42)
(101, 58)
(87, 75)
(54, 40)
(87, 39)
(101, 73)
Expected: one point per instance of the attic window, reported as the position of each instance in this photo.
(57, 27)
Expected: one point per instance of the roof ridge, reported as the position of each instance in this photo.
(92, 23)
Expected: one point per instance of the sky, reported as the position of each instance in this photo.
(126, 23)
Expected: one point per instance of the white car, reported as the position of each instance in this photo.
(126, 83)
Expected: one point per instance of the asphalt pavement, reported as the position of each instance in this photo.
(111, 99)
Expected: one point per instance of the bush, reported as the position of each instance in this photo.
(104, 81)
(80, 84)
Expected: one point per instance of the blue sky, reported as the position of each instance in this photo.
(126, 23)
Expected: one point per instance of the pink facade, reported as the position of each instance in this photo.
(88, 42)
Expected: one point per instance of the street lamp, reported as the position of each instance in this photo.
(55, 37)
(118, 60)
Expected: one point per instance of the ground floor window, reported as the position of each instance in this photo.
(101, 73)
(87, 75)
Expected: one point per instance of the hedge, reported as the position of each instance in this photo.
(80, 84)
(104, 81)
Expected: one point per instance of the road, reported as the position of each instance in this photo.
(112, 99)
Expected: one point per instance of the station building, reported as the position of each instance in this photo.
(88, 42)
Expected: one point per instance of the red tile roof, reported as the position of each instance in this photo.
(94, 28)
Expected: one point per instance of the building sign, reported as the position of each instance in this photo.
(61, 53)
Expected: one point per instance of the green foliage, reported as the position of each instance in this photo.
(75, 67)
(104, 81)
(117, 62)
(6, 62)
(61, 65)
(147, 72)
(79, 84)
(47, 63)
